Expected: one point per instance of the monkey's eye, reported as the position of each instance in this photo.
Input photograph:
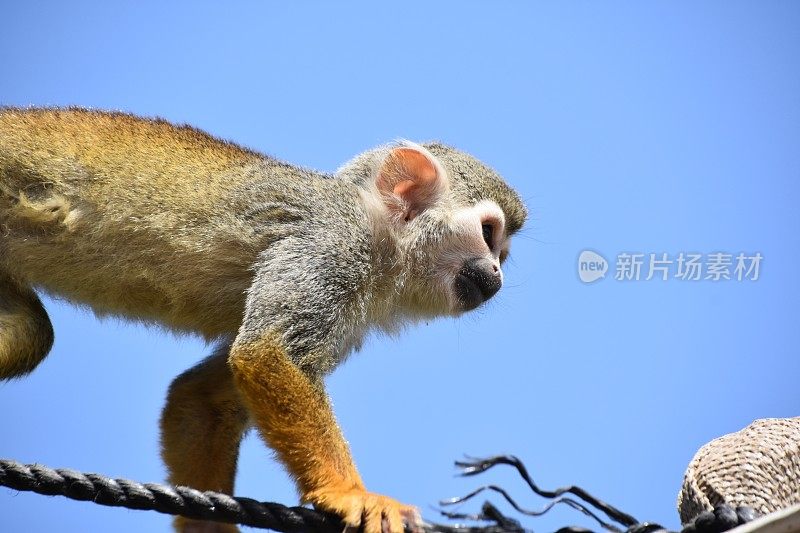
(487, 234)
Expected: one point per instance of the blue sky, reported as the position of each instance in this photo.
(658, 127)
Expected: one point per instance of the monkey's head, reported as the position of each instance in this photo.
(450, 218)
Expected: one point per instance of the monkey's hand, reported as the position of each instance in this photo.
(371, 512)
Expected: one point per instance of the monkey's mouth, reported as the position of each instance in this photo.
(468, 292)
(477, 281)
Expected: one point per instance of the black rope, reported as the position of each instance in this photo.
(182, 501)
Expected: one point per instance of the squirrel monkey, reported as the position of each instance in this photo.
(284, 267)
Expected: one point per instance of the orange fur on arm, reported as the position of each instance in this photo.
(294, 416)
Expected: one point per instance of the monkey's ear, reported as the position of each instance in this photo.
(409, 182)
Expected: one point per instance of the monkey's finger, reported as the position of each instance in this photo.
(353, 515)
(392, 521)
(373, 512)
(411, 518)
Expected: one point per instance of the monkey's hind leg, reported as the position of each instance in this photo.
(201, 429)
(26, 334)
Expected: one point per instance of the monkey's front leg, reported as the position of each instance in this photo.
(293, 415)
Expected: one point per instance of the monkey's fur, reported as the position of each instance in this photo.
(285, 268)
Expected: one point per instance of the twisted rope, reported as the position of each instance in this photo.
(182, 501)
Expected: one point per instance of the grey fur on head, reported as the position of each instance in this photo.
(470, 179)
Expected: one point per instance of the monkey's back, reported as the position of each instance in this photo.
(133, 217)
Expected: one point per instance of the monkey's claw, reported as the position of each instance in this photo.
(366, 511)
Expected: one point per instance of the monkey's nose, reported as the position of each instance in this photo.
(478, 280)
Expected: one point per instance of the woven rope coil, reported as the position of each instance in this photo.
(758, 467)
